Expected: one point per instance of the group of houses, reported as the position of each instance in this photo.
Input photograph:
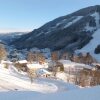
(84, 58)
(80, 69)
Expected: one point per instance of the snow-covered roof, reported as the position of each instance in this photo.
(35, 65)
(68, 64)
(22, 61)
(9, 62)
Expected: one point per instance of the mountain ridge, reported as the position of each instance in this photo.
(68, 32)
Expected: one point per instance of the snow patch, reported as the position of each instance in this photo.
(89, 28)
(97, 18)
(74, 21)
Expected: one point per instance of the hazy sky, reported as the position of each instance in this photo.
(26, 15)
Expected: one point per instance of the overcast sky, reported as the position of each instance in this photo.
(26, 15)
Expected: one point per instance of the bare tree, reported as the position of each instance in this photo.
(31, 74)
(35, 57)
(31, 57)
(89, 59)
(3, 52)
(65, 56)
(41, 58)
(55, 56)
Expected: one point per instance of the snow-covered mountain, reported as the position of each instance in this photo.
(70, 32)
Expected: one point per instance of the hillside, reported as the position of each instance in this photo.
(16, 85)
(68, 32)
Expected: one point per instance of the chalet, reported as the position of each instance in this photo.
(6, 63)
(36, 66)
(21, 66)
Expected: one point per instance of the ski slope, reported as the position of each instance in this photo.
(17, 86)
(90, 47)
(11, 80)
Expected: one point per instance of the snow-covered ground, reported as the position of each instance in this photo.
(17, 86)
(81, 94)
(11, 80)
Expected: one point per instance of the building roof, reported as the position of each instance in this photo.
(22, 61)
(35, 65)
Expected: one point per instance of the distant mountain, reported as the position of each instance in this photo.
(9, 37)
(70, 32)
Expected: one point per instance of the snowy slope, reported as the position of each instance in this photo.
(90, 47)
(97, 18)
(74, 21)
(25, 83)
(17, 86)
(11, 80)
(83, 94)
